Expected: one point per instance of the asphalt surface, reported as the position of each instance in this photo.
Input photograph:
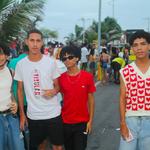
(105, 134)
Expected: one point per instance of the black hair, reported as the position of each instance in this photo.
(71, 50)
(4, 49)
(139, 34)
(25, 48)
(92, 51)
(51, 44)
(84, 44)
(34, 31)
(127, 47)
(104, 50)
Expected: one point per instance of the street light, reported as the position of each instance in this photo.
(112, 2)
(113, 9)
(83, 25)
(83, 21)
(148, 23)
(99, 27)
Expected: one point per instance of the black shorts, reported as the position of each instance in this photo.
(75, 136)
(84, 65)
(116, 66)
(39, 130)
(92, 65)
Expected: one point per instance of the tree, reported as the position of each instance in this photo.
(49, 34)
(71, 39)
(18, 16)
(78, 32)
(90, 36)
(110, 29)
(94, 26)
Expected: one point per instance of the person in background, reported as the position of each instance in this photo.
(93, 56)
(120, 53)
(104, 60)
(11, 137)
(13, 47)
(12, 66)
(116, 65)
(126, 54)
(84, 56)
(77, 87)
(135, 96)
(113, 53)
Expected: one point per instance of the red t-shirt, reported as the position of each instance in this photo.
(75, 91)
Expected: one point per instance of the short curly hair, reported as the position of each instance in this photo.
(139, 34)
(70, 50)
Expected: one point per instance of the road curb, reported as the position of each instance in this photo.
(97, 83)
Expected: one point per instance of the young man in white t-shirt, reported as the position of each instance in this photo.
(135, 96)
(38, 74)
(10, 136)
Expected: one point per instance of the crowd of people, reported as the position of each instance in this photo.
(47, 94)
(106, 63)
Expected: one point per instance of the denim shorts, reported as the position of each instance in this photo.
(10, 136)
(140, 129)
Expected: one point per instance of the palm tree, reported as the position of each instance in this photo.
(78, 32)
(18, 16)
(49, 34)
(110, 29)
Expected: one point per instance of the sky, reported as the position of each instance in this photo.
(63, 15)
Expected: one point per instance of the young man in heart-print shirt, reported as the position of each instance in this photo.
(135, 96)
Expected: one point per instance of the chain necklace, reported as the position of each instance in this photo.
(72, 81)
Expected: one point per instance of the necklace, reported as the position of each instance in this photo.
(73, 79)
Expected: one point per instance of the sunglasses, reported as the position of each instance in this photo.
(69, 57)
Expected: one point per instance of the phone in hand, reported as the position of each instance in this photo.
(130, 137)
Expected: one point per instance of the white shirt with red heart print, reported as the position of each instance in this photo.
(137, 90)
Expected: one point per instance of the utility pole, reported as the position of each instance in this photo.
(99, 27)
(84, 20)
(83, 24)
(113, 8)
(148, 24)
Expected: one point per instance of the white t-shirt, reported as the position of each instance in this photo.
(61, 69)
(37, 76)
(5, 88)
(84, 53)
(61, 66)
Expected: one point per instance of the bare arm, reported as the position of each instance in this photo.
(122, 101)
(54, 91)
(123, 125)
(91, 105)
(13, 105)
(109, 57)
(21, 105)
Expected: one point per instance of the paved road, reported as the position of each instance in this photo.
(106, 120)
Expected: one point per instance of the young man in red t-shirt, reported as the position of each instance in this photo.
(77, 88)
